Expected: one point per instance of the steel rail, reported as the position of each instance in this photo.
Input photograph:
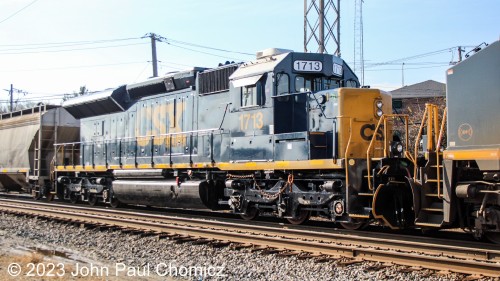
(283, 239)
(459, 249)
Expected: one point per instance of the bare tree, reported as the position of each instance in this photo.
(83, 91)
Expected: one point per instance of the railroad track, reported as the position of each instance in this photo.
(476, 259)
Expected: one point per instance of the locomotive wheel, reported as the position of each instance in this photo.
(354, 225)
(493, 237)
(251, 214)
(92, 199)
(303, 217)
(115, 203)
(73, 198)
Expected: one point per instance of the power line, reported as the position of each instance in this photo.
(39, 47)
(60, 44)
(71, 67)
(176, 43)
(409, 68)
(398, 61)
(169, 41)
(71, 50)
(7, 18)
(206, 53)
(70, 42)
(411, 57)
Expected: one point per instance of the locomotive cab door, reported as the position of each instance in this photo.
(291, 122)
(290, 109)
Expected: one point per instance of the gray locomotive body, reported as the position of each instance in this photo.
(173, 141)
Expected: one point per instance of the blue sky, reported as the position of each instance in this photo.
(393, 29)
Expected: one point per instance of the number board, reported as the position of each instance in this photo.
(307, 66)
(337, 69)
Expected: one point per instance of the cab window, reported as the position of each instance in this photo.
(250, 95)
(307, 84)
(282, 84)
(330, 84)
(302, 84)
(351, 84)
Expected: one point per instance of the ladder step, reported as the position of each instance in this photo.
(432, 210)
(428, 224)
(436, 207)
(432, 195)
(436, 166)
(429, 219)
(433, 180)
(365, 194)
(360, 216)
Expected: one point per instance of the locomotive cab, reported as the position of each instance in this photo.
(302, 120)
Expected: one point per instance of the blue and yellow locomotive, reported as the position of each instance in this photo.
(278, 134)
(289, 134)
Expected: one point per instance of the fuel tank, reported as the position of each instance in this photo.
(166, 193)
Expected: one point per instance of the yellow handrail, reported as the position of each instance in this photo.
(417, 139)
(440, 138)
(441, 130)
(383, 119)
(347, 153)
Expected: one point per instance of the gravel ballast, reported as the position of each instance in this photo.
(134, 256)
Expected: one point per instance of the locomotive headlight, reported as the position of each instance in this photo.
(396, 149)
(379, 112)
(379, 104)
(399, 148)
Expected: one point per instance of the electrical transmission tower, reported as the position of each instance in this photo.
(359, 61)
(322, 26)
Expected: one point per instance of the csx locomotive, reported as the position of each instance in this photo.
(289, 134)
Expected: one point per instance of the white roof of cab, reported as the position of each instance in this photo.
(257, 67)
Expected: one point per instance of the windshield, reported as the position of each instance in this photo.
(314, 84)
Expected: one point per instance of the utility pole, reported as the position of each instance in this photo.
(403, 75)
(11, 96)
(322, 22)
(153, 50)
(153, 37)
(460, 50)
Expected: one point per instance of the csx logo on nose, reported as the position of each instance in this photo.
(367, 131)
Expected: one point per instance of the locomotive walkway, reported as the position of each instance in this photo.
(474, 259)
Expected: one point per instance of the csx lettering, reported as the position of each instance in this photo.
(257, 121)
(367, 131)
